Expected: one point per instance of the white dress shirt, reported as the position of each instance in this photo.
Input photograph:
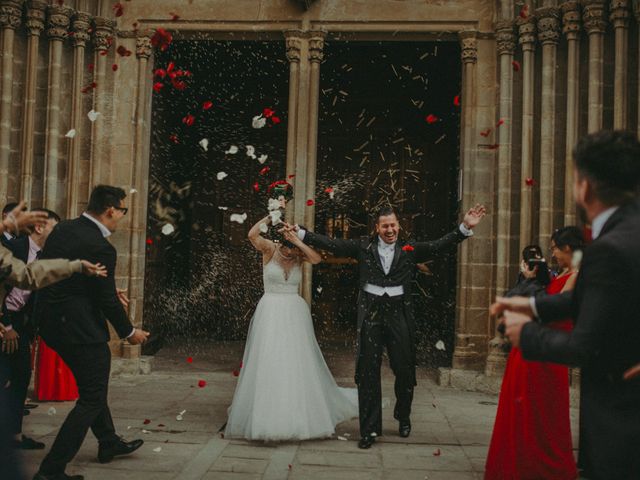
(7, 235)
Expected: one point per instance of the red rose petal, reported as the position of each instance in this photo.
(485, 133)
(267, 112)
(407, 248)
(530, 182)
(275, 120)
(436, 452)
(500, 122)
(256, 187)
(188, 120)
(118, 9)
(149, 241)
(328, 190)
(310, 202)
(207, 105)
(158, 86)
(235, 373)
(114, 67)
(174, 16)
(524, 11)
(104, 53)
(291, 176)
(161, 425)
(495, 146)
(516, 65)
(189, 360)
(160, 72)
(241, 364)
(90, 67)
(146, 421)
(431, 119)
(456, 100)
(179, 85)
(202, 383)
(264, 171)
(174, 138)
(123, 51)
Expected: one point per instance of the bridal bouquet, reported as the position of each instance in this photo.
(278, 191)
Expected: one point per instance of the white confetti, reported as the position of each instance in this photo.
(440, 345)
(145, 431)
(232, 150)
(221, 175)
(51, 411)
(347, 435)
(93, 115)
(262, 158)
(258, 121)
(251, 151)
(275, 216)
(204, 143)
(331, 194)
(168, 229)
(223, 208)
(264, 228)
(319, 289)
(71, 133)
(179, 418)
(157, 449)
(274, 204)
(132, 191)
(237, 217)
(373, 434)
(340, 437)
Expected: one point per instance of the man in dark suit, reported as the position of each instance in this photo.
(7, 236)
(17, 305)
(605, 305)
(387, 268)
(73, 322)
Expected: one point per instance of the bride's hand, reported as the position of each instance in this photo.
(290, 236)
(283, 202)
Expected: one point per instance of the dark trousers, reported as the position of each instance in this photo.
(10, 457)
(90, 365)
(16, 370)
(384, 325)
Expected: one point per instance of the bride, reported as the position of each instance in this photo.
(285, 390)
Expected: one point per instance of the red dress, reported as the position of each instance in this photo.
(54, 381)
(532, 433)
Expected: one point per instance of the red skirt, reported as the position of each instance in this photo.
(54, 381)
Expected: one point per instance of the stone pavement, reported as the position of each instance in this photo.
(451, 429)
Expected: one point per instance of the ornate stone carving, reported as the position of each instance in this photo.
(58, 21)
(294, 45)
(103, 33)
(548, 25)
(469, 42)
(80, 26)
(505, 37)
(619, 15)
(316, 46)
(143, 46)
(10, 13)
(36, 16)
(594, 16)
(571, 22)
(527, 32)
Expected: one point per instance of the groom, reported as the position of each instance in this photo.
(385, 312)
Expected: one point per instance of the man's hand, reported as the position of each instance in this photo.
(474, 215)
(122, 296)
(20, 220)
(515, 304)
(93, 269)
(139, 336)
(2, 330)
(633, 372)
(10, 341)
(514, 323)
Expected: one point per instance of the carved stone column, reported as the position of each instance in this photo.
(10, 17)
(594, 19)
(36, 14)
(548, 35)
(80, 26)
(571, 28)
(620, 20)
(506, 44)
(104, 29)
(465, 355)
(57, 28)
(527, 40)
(294, 46)
(636, 13)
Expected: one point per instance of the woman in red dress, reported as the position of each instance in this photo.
(532, 433)
(54, 381)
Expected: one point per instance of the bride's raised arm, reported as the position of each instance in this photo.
(310, 255)
(260, 243)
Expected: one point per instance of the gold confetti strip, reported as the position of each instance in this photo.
(440, 139)
(361, 146)
(342, 92)
(371, 121)
(398, 140)
(394, 71)
(424, 55)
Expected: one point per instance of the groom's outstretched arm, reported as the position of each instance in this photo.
(426, 250)
(339, 247)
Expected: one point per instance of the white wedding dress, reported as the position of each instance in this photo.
(285, 390)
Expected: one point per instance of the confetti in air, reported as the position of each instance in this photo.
(71, 133)
(168, 229)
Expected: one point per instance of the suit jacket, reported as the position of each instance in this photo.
(370, 270)
(75, 310)
(19, 246)
(605, 342)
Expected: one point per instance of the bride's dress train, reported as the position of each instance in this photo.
(285, 390)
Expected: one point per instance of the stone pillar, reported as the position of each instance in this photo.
(36, 14)
(527, 32)
(10, 17)
(571, 29)
(506, 44)
(103, 38)
(80, 26)
(465, 355)
(294, 47)
(636, 13)
(620, 19)
(594, 19)
(548, 35)
(57, 28)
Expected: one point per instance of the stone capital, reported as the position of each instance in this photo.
(505, 37)
(293, 40)
(143, 46)
(469, 43)
(548, 25)
(316, 46)
(58, 21)
(571, 21)
(527, 32)
(619, 13)
(36, 17)
(594, 16)
(80, 25)
(10, 13)
(103, 31)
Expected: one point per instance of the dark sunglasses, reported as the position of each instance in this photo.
(124, 210)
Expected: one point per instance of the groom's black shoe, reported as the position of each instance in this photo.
(366, 442)
(106, 453)
(405, 428)
(57, 476)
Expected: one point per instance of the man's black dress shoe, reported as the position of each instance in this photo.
(57, 476)
(366, 442)
(29, 444)
(106, 453)
(405, 428)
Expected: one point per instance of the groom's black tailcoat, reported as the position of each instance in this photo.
(73, 320)
(384, 321)
(604, 342)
